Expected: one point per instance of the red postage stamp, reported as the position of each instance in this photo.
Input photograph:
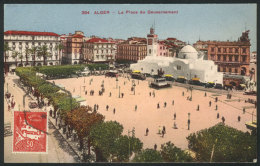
(30, 132)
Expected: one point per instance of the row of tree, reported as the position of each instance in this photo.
(40, 52)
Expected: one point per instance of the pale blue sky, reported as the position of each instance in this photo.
(207, 21)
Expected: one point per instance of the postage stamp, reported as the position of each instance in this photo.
(30, 132)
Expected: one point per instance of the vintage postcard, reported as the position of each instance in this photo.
(130, 83)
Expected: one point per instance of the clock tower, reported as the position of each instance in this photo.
(152, 43)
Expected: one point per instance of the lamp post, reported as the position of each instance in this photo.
(191, 88)
(116, 82)
(119, 92)
(134, 86)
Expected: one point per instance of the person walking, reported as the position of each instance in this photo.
(163, 132)
(175, 125)
(174, 116)
(110, 94)
(210, 103)
(97, 106)
(164, 129)
(153, 94)
(122, 95)
(107, 107)
(182, 93)
(155, 146)
(223, 119)
(165, 104)
(86, 92)
(238, 118)
(216, 99)
(172, 102)
(114, 111)
(150, 94)
(244, 110)
(159, 131)
(216, 107)
(205, 94)
(217, 115)
(158, 106)
(135, 107)
(188, 124)
(146, 132)
(198, 108)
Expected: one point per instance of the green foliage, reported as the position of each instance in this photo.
(97, 66)
(148, 155)
(171, 153)
(60, 71)
(231, 145)
(122, 146)
(104, 135)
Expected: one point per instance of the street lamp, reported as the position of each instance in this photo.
(191, 88)
(119, 92)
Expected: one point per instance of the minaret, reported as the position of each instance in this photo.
(151, 43)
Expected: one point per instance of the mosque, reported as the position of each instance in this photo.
(189, 63)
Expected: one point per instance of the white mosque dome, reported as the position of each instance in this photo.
(188, 52)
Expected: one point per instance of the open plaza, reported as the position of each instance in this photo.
(138, 107)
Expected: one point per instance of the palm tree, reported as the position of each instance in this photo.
(43, 52)
(27, 54)
(14, 55)
(59, 47)
(33, 52)
(20, 56)
(6, 49)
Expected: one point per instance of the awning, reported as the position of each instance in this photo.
(168, 75)
(211, 82)
(136, 71)
(195, 79)
(181, 77)
(242, 85)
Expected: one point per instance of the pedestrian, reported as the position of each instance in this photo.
(107, 107)
(153, 94)
(135, 107)
(175, 125)
(238, 118)
(97, 106)
(174, 116)
(159, 131)
(163, 132)
(86, 92)
(155, 146)
(198, 108)
(244, 110)
(147, 131)
(110, 94)
(150, 93)
(216, 107)
(114, 111)
(223, 119)
(122, 95)
(172, 102)
(164, 129)
(188, 124)
(205, 94)
(217, 115)
(158, 106)
(210, 103)
(216, 99)
(165, 104)
(182, 93)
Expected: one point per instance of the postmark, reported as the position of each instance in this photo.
(30, 132)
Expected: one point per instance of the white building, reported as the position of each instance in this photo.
(99, 50)
(189, 64)
(20, 42)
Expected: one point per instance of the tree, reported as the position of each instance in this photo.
(14, 56)
(59, 47)
(27, 53)
(123, 145)
(230, 145)
(33, 52)
(20, 56)
(103, 137)
(148, 155)
(82, 119)
(43, 52)
(171, 153)
(6, 49)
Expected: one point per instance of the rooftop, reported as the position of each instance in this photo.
(33, 33)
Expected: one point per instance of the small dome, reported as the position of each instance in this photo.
(188, 52)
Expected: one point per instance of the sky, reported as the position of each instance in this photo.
(191, 23)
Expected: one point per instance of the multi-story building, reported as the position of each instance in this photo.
(163, 49)
(73, 51)
(253, 66)
(97, 50)
(174, 46)
(134, 49)
(232, 57)
(21, 49)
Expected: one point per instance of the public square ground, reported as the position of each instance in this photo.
(149, 116)
(146, 116)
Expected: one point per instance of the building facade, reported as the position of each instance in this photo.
(97, 50)
(133, 49)
(232, 57)
(73, 51)
(22, 49)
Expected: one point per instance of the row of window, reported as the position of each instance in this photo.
(229, 58)
(132, 48)
(20, 37)
(227, 69)
(98, 46)
(228, 50)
